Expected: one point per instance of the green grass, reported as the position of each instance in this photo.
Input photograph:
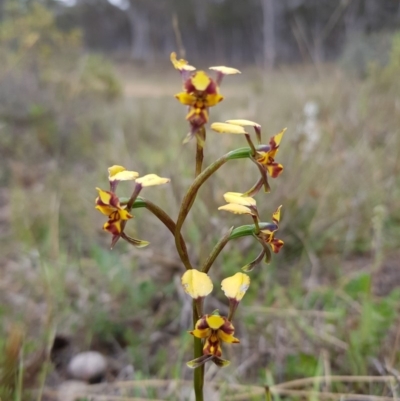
(58, 273)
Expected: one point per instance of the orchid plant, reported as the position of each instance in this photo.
(200, 93)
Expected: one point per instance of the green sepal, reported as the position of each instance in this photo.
(243, 153)
(250, 266)
(138, 243)
(201, 360)
(250, 229)
(221, 363)
(242, 231)
(139, 202)
(240, 153)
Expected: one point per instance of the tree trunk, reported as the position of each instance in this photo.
(269, 50)
(140, 33)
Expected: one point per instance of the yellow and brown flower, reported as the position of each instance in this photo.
(266, 155)
(267, 234)
(214, 329)
(263, 232)
(200, 92)
(262, 155)
(109, 204)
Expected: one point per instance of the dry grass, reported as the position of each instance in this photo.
(312, 312)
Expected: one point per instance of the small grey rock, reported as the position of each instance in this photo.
(88, 366)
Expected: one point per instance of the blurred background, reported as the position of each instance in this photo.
(85, 84)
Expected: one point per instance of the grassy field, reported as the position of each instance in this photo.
(328, 303)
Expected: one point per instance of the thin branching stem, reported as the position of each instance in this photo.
(219, 246)
(170, 224)
(191, 196)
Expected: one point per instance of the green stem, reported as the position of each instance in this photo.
(190, 196)
(168, 222)
(201, 139)
(198, 373)
(216, 251)
(187, 202)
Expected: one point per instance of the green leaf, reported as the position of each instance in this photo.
(359, 285)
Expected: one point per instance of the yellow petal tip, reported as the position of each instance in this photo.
(225, 70)
(197, 284)
(225, 128)
(236, 286)
(244, 123)
(152, 179)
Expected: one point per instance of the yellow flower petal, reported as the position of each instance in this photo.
(123, 214)
(104, 196)
(244, 123)
(186, 98)
(212, 100)
(105, 209)
(215, 321)
(236, 209)
(277, 215)
(278, 137)
(228, 338)
(225, 70)
(200, 80)
(181, 64)
(224, 128)
(115, 170)
(113, 226)
(238, 199)
(236, 286)
(119, 173)
(196, 284)
(200, 333)
(152, 179)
